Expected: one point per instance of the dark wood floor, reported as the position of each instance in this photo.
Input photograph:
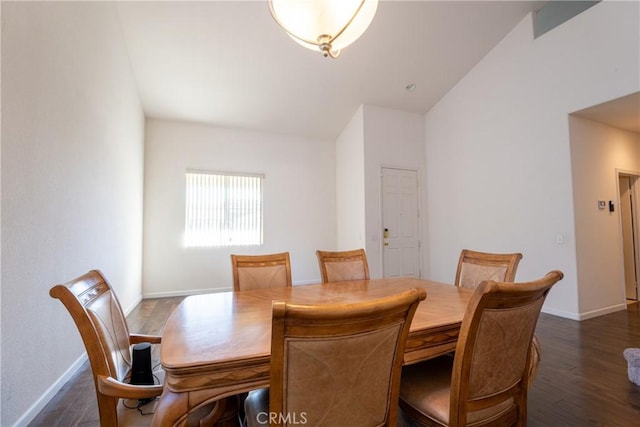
(582, 379)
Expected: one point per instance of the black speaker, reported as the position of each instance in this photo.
(141, 373)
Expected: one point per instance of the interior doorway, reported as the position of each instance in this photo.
(629, 208)
(400, 223)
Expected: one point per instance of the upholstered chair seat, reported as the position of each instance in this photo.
(430, 395)
(486, 382)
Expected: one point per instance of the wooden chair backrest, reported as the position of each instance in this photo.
(97, 313)
(492, 357)
(343, 265)
(261, 271)
(475, 267)
(340, 364)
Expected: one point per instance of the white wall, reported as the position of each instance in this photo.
(597, 150)
(299, 202)
(72, 170)
(497, 144)
(350, 185)
(1, 399)
(375, 137)
(393, 139)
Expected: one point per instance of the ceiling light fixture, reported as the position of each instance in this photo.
(327, 26)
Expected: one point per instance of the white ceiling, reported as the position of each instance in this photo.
(229, 64)
(623, 113)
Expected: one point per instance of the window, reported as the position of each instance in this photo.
(223, 209)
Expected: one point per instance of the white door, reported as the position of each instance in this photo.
(628, 237)
(400, 223)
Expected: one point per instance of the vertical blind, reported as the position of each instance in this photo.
(223, 209)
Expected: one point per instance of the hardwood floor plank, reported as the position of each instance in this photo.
(582, 379)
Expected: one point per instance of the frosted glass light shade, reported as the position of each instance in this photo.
(324, 25)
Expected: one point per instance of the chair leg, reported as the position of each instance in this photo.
(242, 416)
(230, 416)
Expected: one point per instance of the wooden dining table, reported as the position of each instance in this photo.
(218, 345)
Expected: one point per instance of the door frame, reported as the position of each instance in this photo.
(635, 197)
(421, 247)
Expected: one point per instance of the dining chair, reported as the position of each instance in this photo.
(475, 267)
(343, 265)
(261, 271)
(97, 313)
(335, 364)
(486, 382)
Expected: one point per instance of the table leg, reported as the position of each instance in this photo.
(173, 411)
(224, 414)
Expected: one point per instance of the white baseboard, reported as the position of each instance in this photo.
(602, 311)
(184, 293)
(307, 282)
(129, 309)
(39, 404)
(587, 315)
(560, 313)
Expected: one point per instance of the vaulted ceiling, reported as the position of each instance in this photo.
(228, 63)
